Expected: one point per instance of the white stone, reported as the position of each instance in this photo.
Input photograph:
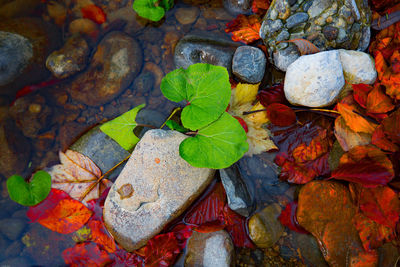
(163, 184)
(358, 67)
(314, 80)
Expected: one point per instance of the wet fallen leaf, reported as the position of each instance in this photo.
(101, 236)
(378, 102)
(356, 122)
(86, 254)
(305, 47)
(288, 218)
(326, 210)
(273, 94)
(94, 13)
(161, 250)
(244, 29)
(280, 114)
(380, 140)
(260, 6)
(347, 137)
(75, 175)
(391, 126)
(360, 93)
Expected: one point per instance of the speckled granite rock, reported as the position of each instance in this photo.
(210, 250)
(249, 64)
(326, 23)
(314, 80)
(70, 59)
(358, 67)
(154, 188)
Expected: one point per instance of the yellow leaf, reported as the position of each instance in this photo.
(245, 93)
(258, 118)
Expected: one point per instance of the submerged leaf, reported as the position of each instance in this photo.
(217, 145)
(121, 128)
(32, 193)
(288, 218)
(273, 94)
(161, 250)
(206, 88)
(244, 29)
(280, 114)
(94, 13)
(86, 254)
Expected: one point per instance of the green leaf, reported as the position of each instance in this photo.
(29, 194)
(217, 145)
(149, 9)
(121, 128)
(173, 125)
(207, 89)
(167, 4)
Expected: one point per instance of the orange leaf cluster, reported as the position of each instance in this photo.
(244, 28)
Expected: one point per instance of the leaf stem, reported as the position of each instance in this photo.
(146, 125)
(170, 116)
(253, 111)
(90, 188)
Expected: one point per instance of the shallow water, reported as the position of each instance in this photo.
(61, 120)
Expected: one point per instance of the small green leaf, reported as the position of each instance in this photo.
(149, 9)
(121, 128)
(206, 88)
(167, 4)
(29, 194)
(217, 145)
(173, 125)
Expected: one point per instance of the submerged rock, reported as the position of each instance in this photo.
(264, 227)
(238, 196)
(314, 80)
(116, 62)
(204, 48)
(249, 64)
(236, 7)
(328, 24)
(210, 250)
(163, 186)
(70, 59)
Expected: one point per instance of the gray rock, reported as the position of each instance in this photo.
(318, 6)
(113, 67)
(70, 59)
(238, 196)
(210, 250)
(296, 19)
(204, 48)
(283, 36)
(270, 27)
(249, 63)
(314, 80)
(12, 228)
(154, 188)
(100, 148)
(358, 67)
(365, 39)
(283, 58)
(14, 262)
(15, 53)
(236, 7)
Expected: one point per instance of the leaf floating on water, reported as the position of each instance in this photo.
(121, 128)
(305, 47)
(244, 29)
(75, 175)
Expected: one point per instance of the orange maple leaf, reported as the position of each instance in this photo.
(244, 29)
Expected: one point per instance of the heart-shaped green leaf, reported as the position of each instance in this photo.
(121, 128)
(217, 145)
(173, 125)
(150, 9)
(29, 194)
(206, 88)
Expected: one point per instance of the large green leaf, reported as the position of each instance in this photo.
(150, 9)
(217, 145)
(29, 194)
(121, 128)
(206, 88)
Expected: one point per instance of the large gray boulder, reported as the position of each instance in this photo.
(154, 188)
(314, 80)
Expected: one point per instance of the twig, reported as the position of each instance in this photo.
(102, 177)
(253, 111)
(170, 116)
(146, 125)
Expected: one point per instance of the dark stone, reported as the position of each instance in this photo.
(20, 262)
(149, 117)
(292, 2)
(70, 59)
(236, 7)
(14, 249)
(330, 32)
(204, 48)
(70, 132)
(296, 19)
(309, 249)
(151, 35)
(3, 246)
(249, 64)
(116, 62)
(238, 196)
(15, 149)
(44, 38)
(143, 83)
(283, 36)
(12, 228)
(100, 148)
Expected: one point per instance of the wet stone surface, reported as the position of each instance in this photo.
(248, 64)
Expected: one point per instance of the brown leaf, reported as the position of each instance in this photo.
(305, 47)
(75, 175)
(326, 210)
(347, 138)
(378, 102)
